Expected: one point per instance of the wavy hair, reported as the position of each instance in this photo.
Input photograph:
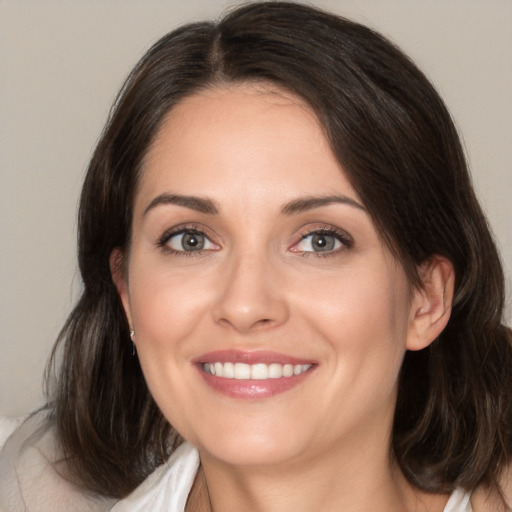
(394, 137)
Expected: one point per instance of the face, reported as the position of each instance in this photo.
(270, 318)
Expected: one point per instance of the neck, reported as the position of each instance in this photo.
(361, 479)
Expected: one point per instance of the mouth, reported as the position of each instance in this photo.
(252, 375)
(258, 371)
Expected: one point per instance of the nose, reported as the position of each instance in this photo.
(251, 295)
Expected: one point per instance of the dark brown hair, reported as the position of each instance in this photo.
(397, 143)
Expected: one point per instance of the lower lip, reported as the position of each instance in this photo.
(253, 389)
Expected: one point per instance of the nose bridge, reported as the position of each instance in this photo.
(250, 297)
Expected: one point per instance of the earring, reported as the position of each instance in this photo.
(132, 337)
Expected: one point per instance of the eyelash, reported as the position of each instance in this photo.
(345, 239)
(164, 239)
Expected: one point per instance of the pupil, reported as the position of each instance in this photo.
(323, 242)
(192, 241)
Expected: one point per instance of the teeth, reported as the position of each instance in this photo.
(259, 371)
(228, 370)
(242, 371)
(287, 370)
(275, 370)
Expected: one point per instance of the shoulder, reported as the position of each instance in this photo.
(168, 487)
(506, 485)
(29, 472)
(484, 500)
(7, 427)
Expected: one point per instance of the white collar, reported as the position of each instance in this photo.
(459, 502)
(168, 487)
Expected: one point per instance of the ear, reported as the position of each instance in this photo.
(432, 303)
(118, 271)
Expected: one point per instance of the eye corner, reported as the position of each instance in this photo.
(322, 241)
(189, 241)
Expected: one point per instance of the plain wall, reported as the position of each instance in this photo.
(61, 65)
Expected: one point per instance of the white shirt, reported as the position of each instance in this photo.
(168, 487)
(30, 483)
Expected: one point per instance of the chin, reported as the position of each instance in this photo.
(254, 447)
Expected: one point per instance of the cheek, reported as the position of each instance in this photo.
(166, 307)
(363, 314)
(167, 310)
(359, 300)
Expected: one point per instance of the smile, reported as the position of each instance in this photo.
(259, 371)
(252, 375)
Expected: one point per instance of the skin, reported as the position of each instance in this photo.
(260, 284)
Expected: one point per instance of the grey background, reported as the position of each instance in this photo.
(61, 65)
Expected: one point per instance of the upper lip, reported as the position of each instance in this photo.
(249, 357)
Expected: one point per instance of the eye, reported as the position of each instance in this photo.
(188, 241)
(322, 242)
(318, 242)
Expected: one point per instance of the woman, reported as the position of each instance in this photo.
(279, 217)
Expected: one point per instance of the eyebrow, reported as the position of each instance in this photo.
(308, 203)
(194, 203)
(208, 206)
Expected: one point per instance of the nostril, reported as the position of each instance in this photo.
(246, 308)
(262, 323)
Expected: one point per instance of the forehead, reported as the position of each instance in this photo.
(234, 137)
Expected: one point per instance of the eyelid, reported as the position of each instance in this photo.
(341, 235)
(163, 240)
